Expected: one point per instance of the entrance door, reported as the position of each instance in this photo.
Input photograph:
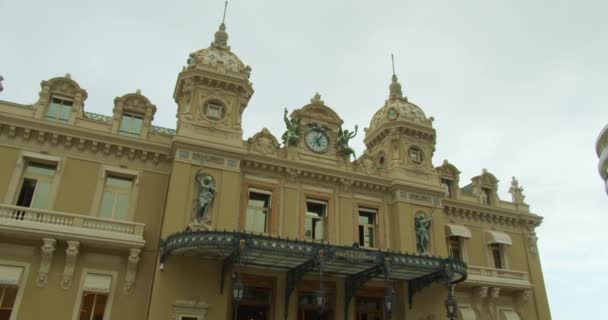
(369, 308)
(255, 304)
(252, 313)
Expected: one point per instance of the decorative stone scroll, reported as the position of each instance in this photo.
(48, 248)
(133, 261)
(70, 264)
(520, 301)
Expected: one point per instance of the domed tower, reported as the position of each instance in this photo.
(212, 92)
(401, 138)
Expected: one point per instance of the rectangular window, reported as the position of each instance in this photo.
(59, 110)
(455, 247)
(131, 124)
(486, 196)
(8, 295)
(316, 212)
(214, 111)
(115, 198)
(496, 251)
(446, 184)
(94, 297)
(10, 277)
(258, 211)
(367, 227)
(36, 185)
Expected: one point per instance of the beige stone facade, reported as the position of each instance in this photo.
(90, 203)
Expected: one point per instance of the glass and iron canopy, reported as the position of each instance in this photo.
(298, 258)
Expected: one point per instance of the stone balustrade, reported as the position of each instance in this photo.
(492, 276)
(23, 221)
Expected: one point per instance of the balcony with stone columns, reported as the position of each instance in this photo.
(23, 222)
(502, 278)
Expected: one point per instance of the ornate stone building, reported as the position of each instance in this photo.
(111, 217)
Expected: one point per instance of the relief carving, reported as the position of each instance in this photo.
(264, 142)
(48, 248)
(133, 261)
(70, 264)
(520, 302)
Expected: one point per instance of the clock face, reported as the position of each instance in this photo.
(317, 140)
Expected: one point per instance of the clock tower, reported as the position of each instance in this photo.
(318, 130)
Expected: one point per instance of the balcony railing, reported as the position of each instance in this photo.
(504, 277)
(78, 227)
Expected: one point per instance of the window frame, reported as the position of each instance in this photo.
(216, 104)
(263, 186)
(503, 256)
(16, 180)
(323, 219)
(106, 171)
(419, 153)
(268, 210)
(134, 115)
(111, 292)
(450, 184)
(21, 284)
(375, 225)
(461, 247)
(62, 99)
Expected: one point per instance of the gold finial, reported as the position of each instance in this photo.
(225, 7)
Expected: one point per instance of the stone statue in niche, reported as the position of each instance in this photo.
(292, 135)
(343, 139)
(206, 194)
(484, 197)
(422, 225)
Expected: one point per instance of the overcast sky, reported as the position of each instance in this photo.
(517, 87)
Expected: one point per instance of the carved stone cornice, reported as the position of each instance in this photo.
(46, 260)
(330, 176)
(41, 133)
(190, 79)
(410, 129)
(133, 261)
(471, 212)
(70, 264)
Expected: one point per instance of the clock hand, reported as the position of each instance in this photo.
(318, 141)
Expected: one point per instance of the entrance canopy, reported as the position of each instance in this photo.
(298, 258)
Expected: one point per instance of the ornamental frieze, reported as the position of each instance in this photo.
(207, 159)
(420, 198)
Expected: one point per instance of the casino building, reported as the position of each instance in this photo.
(111, 217)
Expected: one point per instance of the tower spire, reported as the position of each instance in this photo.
(221, 36)
(395, 87)
(225, 8)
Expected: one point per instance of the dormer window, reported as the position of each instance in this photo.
(446, 184)
(213, 110)
(486, 196)
(59, 109)
(415, 155)
(131, 124)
